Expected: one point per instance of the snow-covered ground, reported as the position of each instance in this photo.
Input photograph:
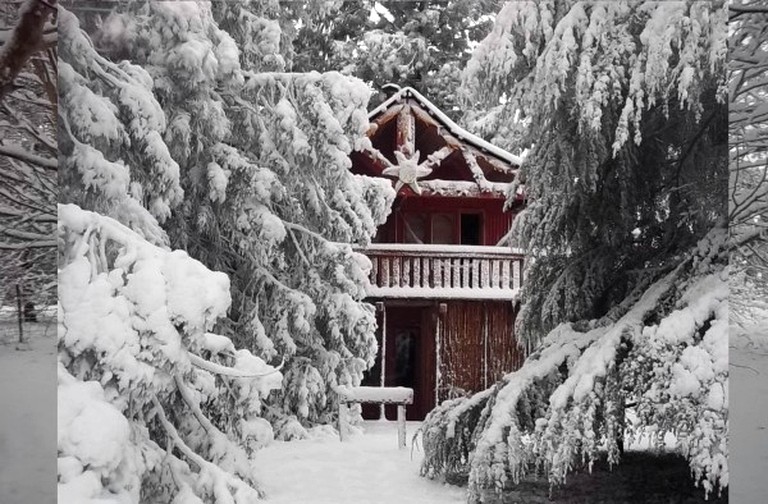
(366, 469)
(748, 441)
(369, 469)
(28, 414)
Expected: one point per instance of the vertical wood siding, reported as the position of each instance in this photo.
(461, 363)
(504, 354)
(478, 346)
(497, 224)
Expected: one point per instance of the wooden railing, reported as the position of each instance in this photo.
(444, 271)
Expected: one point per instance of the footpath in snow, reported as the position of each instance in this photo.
(748, 434)
(366, 469)
(28, 414)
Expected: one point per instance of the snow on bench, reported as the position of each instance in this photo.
(381, 395)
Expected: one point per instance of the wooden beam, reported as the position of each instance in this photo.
(384, 118)
(437, 157)
(406, 131)
(423, 116)
(378, 158)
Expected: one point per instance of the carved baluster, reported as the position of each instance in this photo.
(384, 272)
(475, 282)
(417, 280)
(375, 270)
(516, 275)
(505, 264)
(434, 272)
(485, 265)
(407, 263)
(396, 277)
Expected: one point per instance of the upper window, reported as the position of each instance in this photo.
(471, 229)
(443, 229)
(415, 229)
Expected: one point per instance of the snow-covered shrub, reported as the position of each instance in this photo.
(666, 356)
(152, 406)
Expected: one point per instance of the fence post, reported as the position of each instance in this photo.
(18, 306)
(343, 419)
(401, 426)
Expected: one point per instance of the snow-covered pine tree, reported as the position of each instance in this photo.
(152, 406)
(267, 196)
(419, 44)
(623, 107)
(114, 158)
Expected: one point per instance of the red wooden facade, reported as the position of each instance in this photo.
(446, 292)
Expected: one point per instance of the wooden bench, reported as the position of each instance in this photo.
(380, 395)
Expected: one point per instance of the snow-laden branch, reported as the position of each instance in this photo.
(151, 365)
(213, 367)
(667, 356)
(243, 492)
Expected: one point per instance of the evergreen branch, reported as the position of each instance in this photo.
(194, 457)
(194, 406)
(219, 369)
(298, 248)
(299, 227)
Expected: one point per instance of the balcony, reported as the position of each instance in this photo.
(405, 270)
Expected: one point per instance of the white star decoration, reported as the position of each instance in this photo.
(408, 171)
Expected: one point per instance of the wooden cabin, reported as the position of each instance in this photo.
(445, 292)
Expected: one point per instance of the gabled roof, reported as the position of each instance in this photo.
(414, 141)
(438, 115)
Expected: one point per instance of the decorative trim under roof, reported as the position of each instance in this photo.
(455, 129)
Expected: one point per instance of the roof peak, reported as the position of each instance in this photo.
(440, 116)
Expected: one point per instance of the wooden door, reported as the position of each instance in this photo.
(410, 359)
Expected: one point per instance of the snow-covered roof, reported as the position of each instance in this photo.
(455, 129)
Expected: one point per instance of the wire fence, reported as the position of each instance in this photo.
(16, 311)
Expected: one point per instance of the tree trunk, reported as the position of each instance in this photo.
(26, 40)
(18, 306)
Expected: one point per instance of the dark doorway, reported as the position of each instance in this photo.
(471, 229)
(410, 360)
(406, 350)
